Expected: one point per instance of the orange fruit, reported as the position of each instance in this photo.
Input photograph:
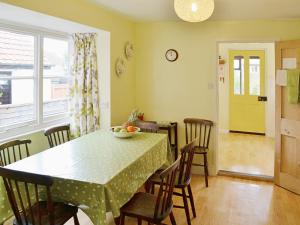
(130, 128)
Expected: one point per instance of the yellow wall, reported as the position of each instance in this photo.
(173, 91)
(38, 142)
(122, 30)
(163, 90)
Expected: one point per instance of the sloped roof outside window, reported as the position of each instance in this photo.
(17, 49)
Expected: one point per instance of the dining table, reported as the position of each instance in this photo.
(97, 172)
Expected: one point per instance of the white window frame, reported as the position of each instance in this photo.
(39, 123)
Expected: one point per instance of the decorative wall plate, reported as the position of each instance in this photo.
(120, 66)
(129, 51)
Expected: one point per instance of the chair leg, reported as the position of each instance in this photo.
(152, 188)
(147, 187)
(205, 169)
(122, 219)
(172, 218)
(186, 206)
(76, 221)
(192, 200)
(139, 221)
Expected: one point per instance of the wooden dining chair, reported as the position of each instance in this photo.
(13, 151)
(151, 208)
(148, 126)
(199, 128)
(183, 179)
(58, 135)
(24, 191)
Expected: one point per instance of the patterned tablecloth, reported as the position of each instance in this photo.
(97, 172)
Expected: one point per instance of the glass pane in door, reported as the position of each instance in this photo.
(254, 75)
(239, 75)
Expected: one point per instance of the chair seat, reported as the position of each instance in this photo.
(142, 205)
(62, 213)
(178, 184)
(201, 150)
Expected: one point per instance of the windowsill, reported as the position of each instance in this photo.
(15, 133)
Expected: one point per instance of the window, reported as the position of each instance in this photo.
(32, 90)
(239, 75)
(254, 75)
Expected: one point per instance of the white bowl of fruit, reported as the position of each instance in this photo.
(125, 132)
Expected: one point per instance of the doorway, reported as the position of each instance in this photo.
(246, 108)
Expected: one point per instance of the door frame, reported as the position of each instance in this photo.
(216, 157)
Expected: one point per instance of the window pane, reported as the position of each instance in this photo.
(16, 54)
(5, 92)
(16, 95)
(238, 75)
(55, 96)
(254, 75)
(56, 72)
(16, 101)
(55, 57)
(237, 64)
(16, 92)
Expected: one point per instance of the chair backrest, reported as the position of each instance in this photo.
(147, 126)
(13, 151)
(164, 198)
(24, 190)
(198, 128)
(185, 166)
(58, 135)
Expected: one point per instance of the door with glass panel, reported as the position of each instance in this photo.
(247, 90)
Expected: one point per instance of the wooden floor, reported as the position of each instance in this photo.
(233, 201)
(244, 153)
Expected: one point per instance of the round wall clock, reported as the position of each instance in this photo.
(120, 66)
(171, 55)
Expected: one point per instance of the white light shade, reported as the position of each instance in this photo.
(194, 10)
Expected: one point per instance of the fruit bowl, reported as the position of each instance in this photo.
(122, 132)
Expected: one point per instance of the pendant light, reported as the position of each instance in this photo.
(194, 10)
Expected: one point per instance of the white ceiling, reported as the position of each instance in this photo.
(162, 10)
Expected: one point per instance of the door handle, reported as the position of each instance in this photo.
(262, 98)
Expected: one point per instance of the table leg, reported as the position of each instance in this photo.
(117, 220)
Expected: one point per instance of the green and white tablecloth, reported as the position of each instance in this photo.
(97, 172)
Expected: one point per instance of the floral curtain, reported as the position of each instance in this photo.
(84, 91)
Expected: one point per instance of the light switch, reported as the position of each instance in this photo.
(211, 86)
